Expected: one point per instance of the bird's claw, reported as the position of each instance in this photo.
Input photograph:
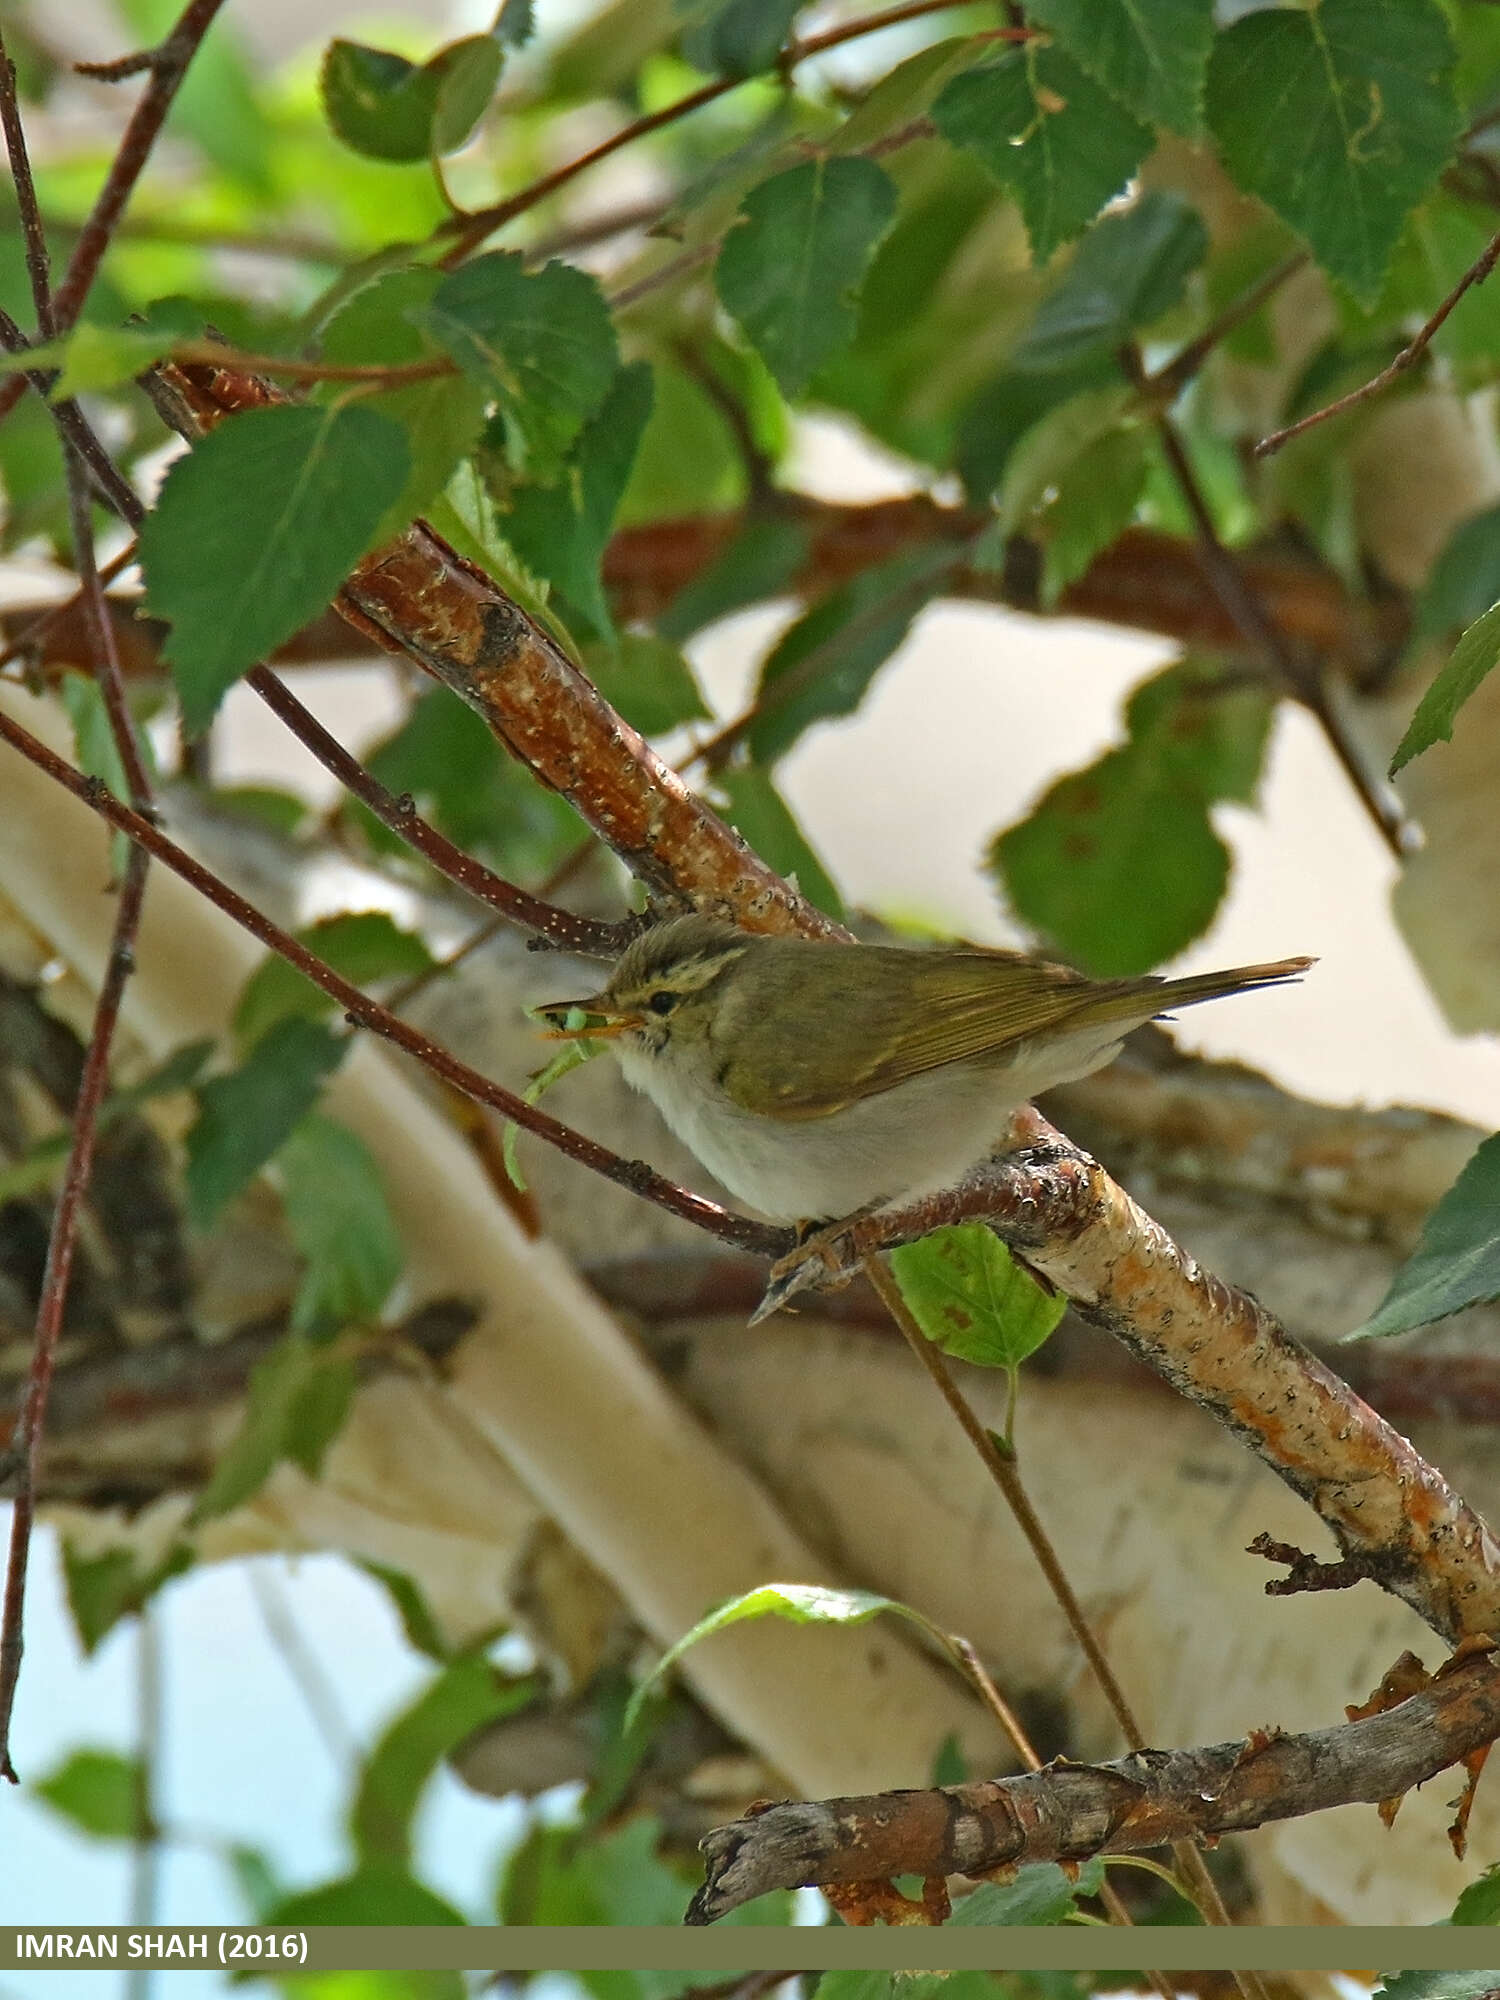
(822, 1260)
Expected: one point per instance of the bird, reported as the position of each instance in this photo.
(816, 1079)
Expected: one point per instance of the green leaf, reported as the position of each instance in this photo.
(244, 1117)
(1092, 507)
(1047, 132)
(972, 1299)
(796, 1603)
(1457, 1262)
(442, 419)
(559, 1875)
(105, 1588)
(296, 1403)
(1129, 270)
(379, 1892)
(1437, 1986)
(648, 681)
(739, 37)
(560, 531)
(465, 514)
(792, 264)
(1118, 865)
(387, 108)
(448, 760)
(762, 561)
(515, 24)
(1480, 1902)
(364, 945)
(542, 342)
(749, 800)
(98, 753)
(950, 1766)
(824, 664)
(255, 529)
(1465, 668)
(99, 1791)
(217, 104)
(465, 1696)
(1340, 117)
(418, 1621)
(1150, 54)
(1045, 452)
(1008, 408)
(341, 1222)
(92, 357)
(1040, 1894)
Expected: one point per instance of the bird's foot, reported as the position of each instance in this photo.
(826, 1256)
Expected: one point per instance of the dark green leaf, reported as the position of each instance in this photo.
(1466, 667)
(442, 419)
(795, 258)
(1118, 866)
(1047, 132)
(906, 92)
(540, 341)
(761, 561)
(1153, 57)
(648, 681)
(364, 945)
(283, 812)
(1457, 1262)
(1129, 270)
(972, 1299)
(380, 1892)
(465, 1696)
(466, 516)
(450, 763)
(1464, 581)
(560, 531)
(1093, 505)
(388, 108)
(950, 1766)
(1008, 409)
(1040, 1894)
(99, 1791)
(254, 1877)
(688, 461)
(244, 1117)
(1480, 1902)
(340, 1221)
(824, 665)
(559, 1876)
(417, 1620)
(98, 753)
(254, 531)
(105, 1588)
(297, 1401)
(739, 37)
(1340, 118)
(515, 24)
(1438, 1986)
(749, 800)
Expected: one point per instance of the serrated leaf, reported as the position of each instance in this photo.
(1118, 866)
(1457, 1262)
(1480, 1902)
(103, 1589)
(255, 529)
(972, 1299)
(1040, 1894)
(465, 1696)
(542, 342)
(465, 514)
(1340, 117)
(460, 777)
(244, 1117)
(1150, 54)
(761, 561)
(793, 262)
(297, 1400)
(797, 1603)
(364, 945)
(387, 108)
(906, 92)
(749, 800)
(1466, 667)
(739, 37)
(560, 531)
(648, 681)
(99, 1791)
(341, 1222)
(824, 664)
(442, 419)
(1129, 270)
(380, 1892)
(92, 357)
(1045, 130)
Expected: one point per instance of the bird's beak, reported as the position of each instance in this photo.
(593, 1020)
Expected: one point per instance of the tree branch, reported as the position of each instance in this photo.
(1071, 1812)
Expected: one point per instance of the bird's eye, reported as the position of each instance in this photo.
(663, 1003)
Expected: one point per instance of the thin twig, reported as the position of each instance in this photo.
(316, 1689)
(1413, 351)
(1173, 376)
(26, 639)
(33, 236)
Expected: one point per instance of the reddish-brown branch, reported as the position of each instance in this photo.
(1071, 1812)
(366, 1013)
(1409, 356)
(33, 236)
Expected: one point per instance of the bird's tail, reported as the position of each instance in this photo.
(1148, 998)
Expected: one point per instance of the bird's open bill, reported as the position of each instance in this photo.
(582, 1021)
